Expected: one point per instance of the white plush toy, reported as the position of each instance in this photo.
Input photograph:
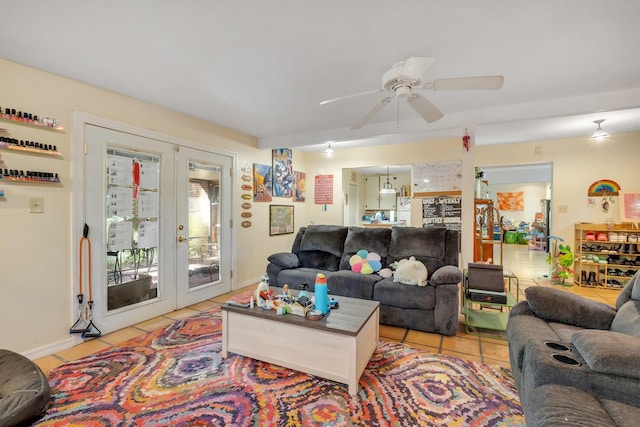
(263, 288)
(410, 272)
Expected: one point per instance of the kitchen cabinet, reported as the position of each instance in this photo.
(373, 199)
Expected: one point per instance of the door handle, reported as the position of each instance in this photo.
(181, 239)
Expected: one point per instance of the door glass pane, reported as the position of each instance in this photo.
(132, 210)
(204, 223)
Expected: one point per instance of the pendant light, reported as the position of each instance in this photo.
(329, 150)
(387, 188)
(599, 133)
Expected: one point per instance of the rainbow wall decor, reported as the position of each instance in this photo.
(604, 186)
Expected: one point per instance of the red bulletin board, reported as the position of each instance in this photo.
(323, 190)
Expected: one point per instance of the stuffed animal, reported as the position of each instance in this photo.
(410, 272)
(262, 294)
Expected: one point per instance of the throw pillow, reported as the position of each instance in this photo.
(284, 259)
(365, 262)
(556, 305)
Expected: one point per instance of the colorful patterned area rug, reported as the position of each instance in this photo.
(176, 377)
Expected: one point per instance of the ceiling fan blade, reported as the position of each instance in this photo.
(340, 98)
(372, 112)
(468, 83)
(415, 67)
(424, 107)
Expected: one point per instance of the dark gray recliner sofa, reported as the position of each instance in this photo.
(595, 378)
(327, 249)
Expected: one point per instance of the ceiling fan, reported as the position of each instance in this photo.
(405, 77)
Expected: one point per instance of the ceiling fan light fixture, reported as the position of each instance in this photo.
(599, 132)
(329, 150)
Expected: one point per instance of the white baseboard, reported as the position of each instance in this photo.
(50, 348)
(247, 283)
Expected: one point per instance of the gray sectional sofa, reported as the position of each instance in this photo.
(576, 361)
(327, 249)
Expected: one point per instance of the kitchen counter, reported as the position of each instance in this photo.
(384, 224)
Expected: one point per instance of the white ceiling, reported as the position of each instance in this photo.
(262, 67)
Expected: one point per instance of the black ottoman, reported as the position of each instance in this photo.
(24, 390)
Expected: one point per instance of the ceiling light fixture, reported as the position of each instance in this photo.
(599, 133)
(329, 150)
(386, 187)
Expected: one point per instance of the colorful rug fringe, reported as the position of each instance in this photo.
(176, 377)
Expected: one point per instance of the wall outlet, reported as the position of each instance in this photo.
(36, 205)
(563, 209)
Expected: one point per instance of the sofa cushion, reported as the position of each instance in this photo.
(347, 283)
(427, 245)
(557, 305)
(627, 320)
(372, 239)
(395, 294)
(609, 352)
(629, 289)
(294, 277)
(284, 259)
(324, 238)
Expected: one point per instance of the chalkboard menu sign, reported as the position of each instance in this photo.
(442, 211)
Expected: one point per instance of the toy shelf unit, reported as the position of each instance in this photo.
(486, 309)
(607, 255)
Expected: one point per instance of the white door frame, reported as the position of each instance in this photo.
(78, 197)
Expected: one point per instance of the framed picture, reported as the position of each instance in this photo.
(299, 186)
(262, 183)
(282, 172)
(629, 207)
(280, 220)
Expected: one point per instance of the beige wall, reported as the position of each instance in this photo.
(36, 284)
(37, 287)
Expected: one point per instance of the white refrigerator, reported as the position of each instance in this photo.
(404, 210)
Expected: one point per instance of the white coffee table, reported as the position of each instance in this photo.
(337, 348)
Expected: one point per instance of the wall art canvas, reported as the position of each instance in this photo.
(262, 183)
(629, 207)
(512, 201)
(299, 187)
(280, 220)
(282, 172)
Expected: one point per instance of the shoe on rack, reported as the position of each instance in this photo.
(633, 248)
(590, 235)
(583, 277)
(592, 278)
(602, 237)
(613, 236)
(632, 238)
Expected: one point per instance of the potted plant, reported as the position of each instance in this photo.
(561, 261)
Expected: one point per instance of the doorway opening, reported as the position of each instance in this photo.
(522, 195)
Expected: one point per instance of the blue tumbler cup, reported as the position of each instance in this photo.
(322, 294)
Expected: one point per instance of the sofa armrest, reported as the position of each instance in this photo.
(610, 353)
(285, 260)
(446, 275)
(556, 305)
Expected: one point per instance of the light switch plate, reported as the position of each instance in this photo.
(36, 205)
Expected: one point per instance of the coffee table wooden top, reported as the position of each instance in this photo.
(348, 319)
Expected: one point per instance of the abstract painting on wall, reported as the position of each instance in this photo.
(282, 172)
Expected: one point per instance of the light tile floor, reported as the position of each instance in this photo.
(529, 265)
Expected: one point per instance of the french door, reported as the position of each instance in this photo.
(156, 212)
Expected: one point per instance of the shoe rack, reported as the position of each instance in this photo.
(606, 255)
